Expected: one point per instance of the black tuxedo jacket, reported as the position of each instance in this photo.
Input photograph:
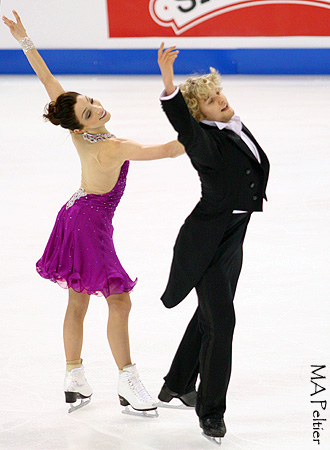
(231, 179)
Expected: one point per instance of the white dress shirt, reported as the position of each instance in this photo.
(235, 125)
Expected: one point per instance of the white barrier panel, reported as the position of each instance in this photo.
(102, 24)
(121, 37)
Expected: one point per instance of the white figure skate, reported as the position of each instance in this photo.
(76, 388)
(132, 392)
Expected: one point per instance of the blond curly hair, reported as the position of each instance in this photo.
(199, 87)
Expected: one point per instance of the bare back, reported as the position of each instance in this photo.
(99, 171)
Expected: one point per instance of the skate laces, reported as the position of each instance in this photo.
(138, 388)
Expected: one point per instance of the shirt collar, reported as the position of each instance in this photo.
(234, 124)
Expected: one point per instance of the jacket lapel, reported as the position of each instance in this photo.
(263, 157)
(240, 143)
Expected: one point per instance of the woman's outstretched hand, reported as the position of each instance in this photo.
(16, 28)
(166, 60)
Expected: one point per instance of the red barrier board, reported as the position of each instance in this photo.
(168, 18)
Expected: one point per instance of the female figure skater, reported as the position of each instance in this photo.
(80, 254)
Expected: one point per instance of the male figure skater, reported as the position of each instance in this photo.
(233, 170)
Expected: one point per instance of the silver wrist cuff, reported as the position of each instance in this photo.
(26, 44)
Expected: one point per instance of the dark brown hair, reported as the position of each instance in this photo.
(61, 112)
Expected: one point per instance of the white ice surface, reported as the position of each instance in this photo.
(282, 301)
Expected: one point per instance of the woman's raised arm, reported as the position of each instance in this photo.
(53, 87)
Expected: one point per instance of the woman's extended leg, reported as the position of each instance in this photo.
(75, 383)
(119, 308)
(73, 324)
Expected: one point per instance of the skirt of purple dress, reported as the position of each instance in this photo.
(80, 253)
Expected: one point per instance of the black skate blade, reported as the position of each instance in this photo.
(149, 413)
(83, 402)
(180, 406)
(214, 440)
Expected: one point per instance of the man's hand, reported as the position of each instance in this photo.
(166, 60)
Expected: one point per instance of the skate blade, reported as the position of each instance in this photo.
(83, 402)
(214, 440)
(150, 413)
(181, 406)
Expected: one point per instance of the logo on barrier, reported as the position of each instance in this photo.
(182, 15)
(218, 18)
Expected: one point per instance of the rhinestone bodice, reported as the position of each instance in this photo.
(107, 201)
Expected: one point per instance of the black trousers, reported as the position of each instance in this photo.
(206, 347)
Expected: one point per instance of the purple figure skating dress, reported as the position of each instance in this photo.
(80, 253)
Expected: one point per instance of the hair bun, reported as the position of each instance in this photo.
(51, 113)
(62, 111)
